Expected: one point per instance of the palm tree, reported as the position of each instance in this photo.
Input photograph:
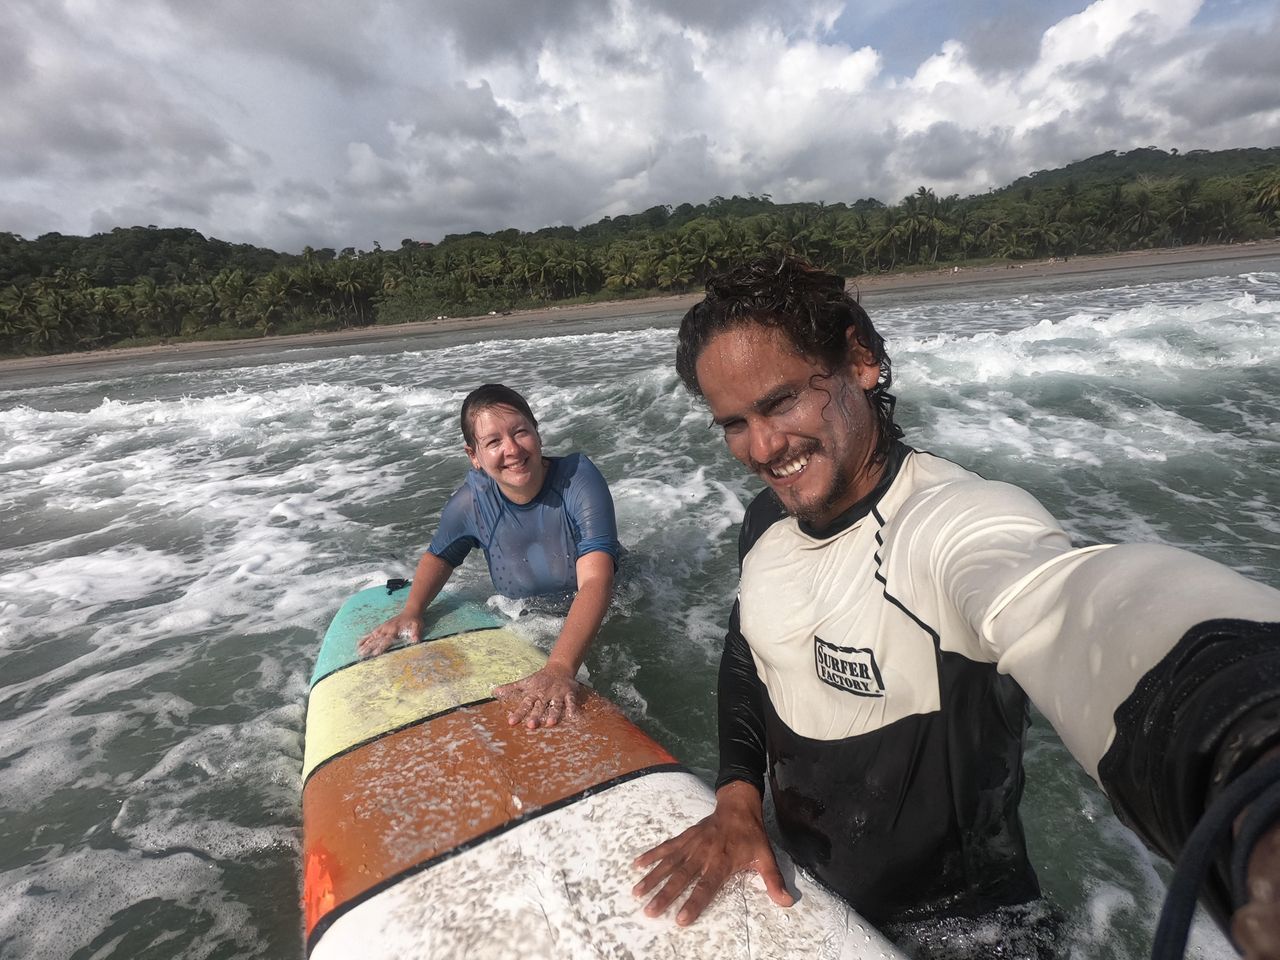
(1186, 209)
(1043, 232)
(17, 312)
(620, 272)
(675, 270)
(271, 296)
(1114, 208)
(1267, 199)
(993, 233)
(231, 288)
(350, 288)
(1069, 202)
(580, 268)
(50, 327)
(704, 254)
(1142, 220)
(930, 219)
(963, 227)
(1225, 217)
(852, 236)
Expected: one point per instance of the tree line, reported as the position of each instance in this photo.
(139, 285)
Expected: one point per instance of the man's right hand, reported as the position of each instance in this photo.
(706, 855)
(380, 638)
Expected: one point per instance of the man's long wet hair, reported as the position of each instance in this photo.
(486, 397)
(807, 305)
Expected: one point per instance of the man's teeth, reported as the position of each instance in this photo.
(787, 469)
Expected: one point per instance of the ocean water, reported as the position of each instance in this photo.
(175, 534)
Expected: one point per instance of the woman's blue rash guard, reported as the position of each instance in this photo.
(532, 548)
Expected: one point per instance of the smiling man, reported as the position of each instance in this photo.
(894, 614)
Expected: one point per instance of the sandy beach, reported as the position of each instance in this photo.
(868, 286)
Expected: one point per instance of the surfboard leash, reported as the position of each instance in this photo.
(1258, 789)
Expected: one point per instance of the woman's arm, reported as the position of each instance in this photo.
(548, 696)
(428, 580)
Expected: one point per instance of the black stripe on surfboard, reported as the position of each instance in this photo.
(401, 646)
(332, 916)
(386, 733)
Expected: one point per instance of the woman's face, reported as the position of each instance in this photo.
(508, 448)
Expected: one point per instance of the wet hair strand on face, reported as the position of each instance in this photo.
(809, 306)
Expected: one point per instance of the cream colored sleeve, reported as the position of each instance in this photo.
(1077, 628)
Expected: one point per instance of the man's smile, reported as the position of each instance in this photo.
(789, 468)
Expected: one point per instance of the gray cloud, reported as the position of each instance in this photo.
(31, 219)
(89, 112)
(465, 111)
(947, 152)
(1225, 103)
(335, 124)
(101, 123)
(376, 182)
(329, 38)
(290, 190)
(485, 30)
(726, 16)
(290, 231)
(15, 64)
(1247, 53)
(1006, 35)
(124, 215)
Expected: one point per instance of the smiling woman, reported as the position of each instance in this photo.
(546, 526)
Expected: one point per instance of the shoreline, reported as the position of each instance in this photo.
(869, 285)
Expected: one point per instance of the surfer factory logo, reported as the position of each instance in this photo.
(852, 669)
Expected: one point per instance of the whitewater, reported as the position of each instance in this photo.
(175, 535)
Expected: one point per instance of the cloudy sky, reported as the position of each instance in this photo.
(345, 122)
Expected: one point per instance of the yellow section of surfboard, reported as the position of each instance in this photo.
(403, 686)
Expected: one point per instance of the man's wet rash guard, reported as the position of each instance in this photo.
(532, 548)
(876, 670)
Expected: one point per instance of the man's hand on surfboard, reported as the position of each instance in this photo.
(542, 699)
(380, 638)
(704, 857)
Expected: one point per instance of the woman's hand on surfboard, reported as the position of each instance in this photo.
(542, 699)
(703, 858)
(380, 638)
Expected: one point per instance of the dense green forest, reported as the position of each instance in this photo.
(143, 284)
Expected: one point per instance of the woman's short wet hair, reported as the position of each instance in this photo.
(809, 306)
(486, 397)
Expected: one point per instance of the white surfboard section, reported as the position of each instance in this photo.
(559, 885)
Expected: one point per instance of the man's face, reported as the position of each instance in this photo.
(807, 433)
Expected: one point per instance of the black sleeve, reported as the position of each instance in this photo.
(1198, 719)
(740, 712)
(740, 709)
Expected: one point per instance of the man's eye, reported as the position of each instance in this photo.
(733, 427)
(781, 404)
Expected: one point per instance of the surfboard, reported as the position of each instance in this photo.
(433, 829)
